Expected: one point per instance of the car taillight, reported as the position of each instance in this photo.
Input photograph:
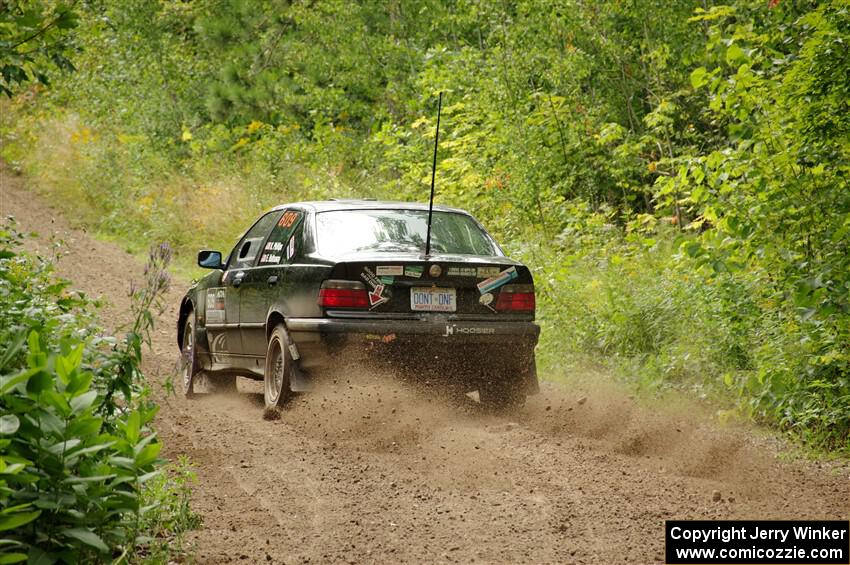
(343, 294)
(516, 298)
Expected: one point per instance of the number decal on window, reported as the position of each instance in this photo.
(288, 219)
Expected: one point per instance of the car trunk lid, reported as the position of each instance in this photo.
(454, 286)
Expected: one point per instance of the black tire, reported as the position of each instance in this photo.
(193, 379)
(501, 396)
(189, 356)
(276, 389)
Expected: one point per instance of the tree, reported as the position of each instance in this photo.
(34, 35)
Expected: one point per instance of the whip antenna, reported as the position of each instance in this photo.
(433, 175)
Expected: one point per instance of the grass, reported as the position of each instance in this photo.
(170, 516)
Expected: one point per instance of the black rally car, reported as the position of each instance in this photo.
(313, 285)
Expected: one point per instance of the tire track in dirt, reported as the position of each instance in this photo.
(366, 469)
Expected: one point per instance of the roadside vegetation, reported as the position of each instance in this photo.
(80, 475)
(675, 172)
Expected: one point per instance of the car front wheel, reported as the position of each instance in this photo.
(192, 379)
(278, 367)
(187, 351)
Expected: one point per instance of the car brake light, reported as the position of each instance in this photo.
(516, 298)
(343, 294)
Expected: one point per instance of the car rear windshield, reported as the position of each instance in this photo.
(349, 231)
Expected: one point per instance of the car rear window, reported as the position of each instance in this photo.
(349, 231)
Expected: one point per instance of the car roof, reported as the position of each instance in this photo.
(331, 205)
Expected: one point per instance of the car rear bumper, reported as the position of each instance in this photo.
(468, 331)
(470, 349)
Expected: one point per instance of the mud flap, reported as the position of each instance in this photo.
(532, 385)
(298, 381)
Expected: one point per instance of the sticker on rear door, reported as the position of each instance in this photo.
(271, 253)
(501, 279)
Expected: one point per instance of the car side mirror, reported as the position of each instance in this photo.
(210, 259)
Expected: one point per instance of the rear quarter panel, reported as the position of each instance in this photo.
(298, 292)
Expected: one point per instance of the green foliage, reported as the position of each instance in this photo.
(167, 514)
(34, 34)
(777, 194)
(73, 481)
(75, 463)
(676, 170)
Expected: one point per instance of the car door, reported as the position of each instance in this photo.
(239, 265)
(262, 282)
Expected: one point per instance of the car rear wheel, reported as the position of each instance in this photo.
(278, 367)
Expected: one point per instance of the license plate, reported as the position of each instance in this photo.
(433, 299)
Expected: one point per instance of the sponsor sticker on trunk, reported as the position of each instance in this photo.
(491, 284)
(462, 271)
(487, 300)
(369, 276)
(389, 270)
(379, 293)
(377, 297)
(414, 271)
(487, 272)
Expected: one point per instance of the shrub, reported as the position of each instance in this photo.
(76, 446)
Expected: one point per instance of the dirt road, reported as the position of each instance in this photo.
(366, 470)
